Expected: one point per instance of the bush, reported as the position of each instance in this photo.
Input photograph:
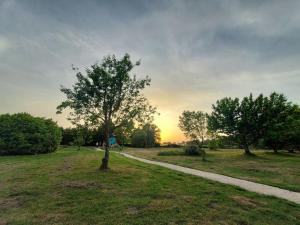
(192, 150)
(22, 134)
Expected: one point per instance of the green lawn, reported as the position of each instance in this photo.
(65, 187)
(281, 170)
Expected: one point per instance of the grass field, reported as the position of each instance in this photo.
(65, 187)
(281, 170)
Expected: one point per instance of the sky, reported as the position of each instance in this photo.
(195, 51)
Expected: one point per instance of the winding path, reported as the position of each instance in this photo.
(247, 185)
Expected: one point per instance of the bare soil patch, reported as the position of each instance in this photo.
(245, 201)
(9, 203)
(3, 222)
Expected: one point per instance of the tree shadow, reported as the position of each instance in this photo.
(286, 154)
(250, 155)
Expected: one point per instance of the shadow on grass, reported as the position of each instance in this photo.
(250, 155)
(170, 153)
(285, 154)
(181, 153)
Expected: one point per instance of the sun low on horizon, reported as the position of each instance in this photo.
(168, 126)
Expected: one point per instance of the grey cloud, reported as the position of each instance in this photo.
(195, 51)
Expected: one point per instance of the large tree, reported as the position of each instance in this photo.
(108, 95)
(241, 120)
(194, 125)
(250, 121)
(293, 133)
(282, 124)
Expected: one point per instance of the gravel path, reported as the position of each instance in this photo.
(247, 185)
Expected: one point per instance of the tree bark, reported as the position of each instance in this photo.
(104, 165)
(105, 159)
(247, 150)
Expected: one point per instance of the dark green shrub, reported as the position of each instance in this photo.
(192, 150)
(22, 134)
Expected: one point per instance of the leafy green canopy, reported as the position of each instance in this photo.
(24, 134)
(272, 119)
(108, 94)
(241, 120)
(194, 125)
(282, 127)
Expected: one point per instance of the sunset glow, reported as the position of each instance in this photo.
(192, 57)
(167, 122)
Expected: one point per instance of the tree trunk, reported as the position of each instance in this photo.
(247, 150)
(105, 159)
(275, 150)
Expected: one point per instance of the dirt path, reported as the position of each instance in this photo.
(247, 185)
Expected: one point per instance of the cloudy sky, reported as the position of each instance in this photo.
(194, 51)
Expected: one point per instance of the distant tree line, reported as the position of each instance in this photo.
(81, 136)
(270, 122)
(144, 136)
